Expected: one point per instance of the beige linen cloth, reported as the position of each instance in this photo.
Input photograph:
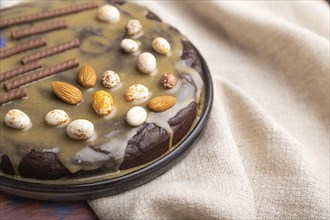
(264, 153)
(265, 150)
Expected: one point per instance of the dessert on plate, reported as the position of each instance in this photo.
(92, 89)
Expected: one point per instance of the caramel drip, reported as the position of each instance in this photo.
(13, 95)
(27, 45)
(47, 14)
(38, 29)
(20, 70)
(40, 74)
(51, 51)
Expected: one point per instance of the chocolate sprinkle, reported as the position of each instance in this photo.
(47, 14)
(40, 74)
(51, 51)
(27, 45)
(12, 95)
(38, 29)
(20, 70)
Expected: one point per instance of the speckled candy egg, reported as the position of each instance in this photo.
(136, 92)
(56, 117)
(136, 116)
(161, 45)
(108, 13)
(129, 45)
(110, 79)
(133, 27)
(80, 129)
(17, 119)
(147, 63)
(102, 102)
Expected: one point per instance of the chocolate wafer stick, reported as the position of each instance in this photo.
(40, 74)
(20, 70)
(38, 29)
(47, 14)
(24, 46)
(51, 51)
(12, 95)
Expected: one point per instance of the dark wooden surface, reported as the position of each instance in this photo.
(13, 207)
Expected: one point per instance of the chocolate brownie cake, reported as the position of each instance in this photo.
(92, 89)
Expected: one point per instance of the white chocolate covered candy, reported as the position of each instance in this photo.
(161, 45)
(136, 92)
(80, 129)
(108, 13)
(136, 116)
(17, 119)
(147, 63)
(133, 27)
(56, 117)
(129, 45)
(110, 79)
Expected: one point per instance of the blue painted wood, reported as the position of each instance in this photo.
(13, 207)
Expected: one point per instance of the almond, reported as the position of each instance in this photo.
(161, 103)
(67, 92)
(87, 76)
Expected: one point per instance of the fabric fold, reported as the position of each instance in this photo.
(278, 159)
(265, 150)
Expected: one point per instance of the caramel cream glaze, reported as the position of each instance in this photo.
(99, 47)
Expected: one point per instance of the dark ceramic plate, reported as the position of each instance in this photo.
(69, 192)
